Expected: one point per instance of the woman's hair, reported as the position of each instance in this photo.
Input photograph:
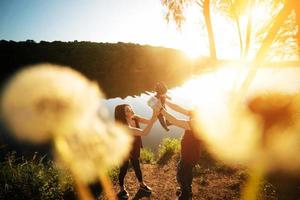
(120, 115)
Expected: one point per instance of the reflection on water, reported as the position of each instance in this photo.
(204, 91)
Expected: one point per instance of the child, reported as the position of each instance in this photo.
(161, 94)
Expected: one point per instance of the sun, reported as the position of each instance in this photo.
(190, 40)
(191, 52)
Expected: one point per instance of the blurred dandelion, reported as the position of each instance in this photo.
(48, 102)
(270, 106)
(260, 129)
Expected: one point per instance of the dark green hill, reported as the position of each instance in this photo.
(121, 69)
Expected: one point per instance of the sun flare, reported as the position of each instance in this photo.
(226, 120)
(192, 42)
(191, 52)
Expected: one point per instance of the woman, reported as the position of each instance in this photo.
(125, 115)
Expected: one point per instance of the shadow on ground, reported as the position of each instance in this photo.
(140, 194)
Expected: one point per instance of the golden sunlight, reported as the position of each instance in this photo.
(226, 37)
(191, 41)
(260, 12)
(191, 52)
(240, 126)
(192, 46)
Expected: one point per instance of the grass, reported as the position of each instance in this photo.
(167, 149)
(37, 178)
(33, 179)
(147, 156)
(113, 173)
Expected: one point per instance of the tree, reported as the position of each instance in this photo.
(175, 10)
(282, 42)
(231, 10)
(259, 58)
(297, 11)
(234, 9)
(206, 12)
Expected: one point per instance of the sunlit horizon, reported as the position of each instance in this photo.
(113, 23)
(134, 22)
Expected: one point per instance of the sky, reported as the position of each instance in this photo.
(135, 21)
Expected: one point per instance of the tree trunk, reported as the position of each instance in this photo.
(236, 18)
(297, 11)
(240, 36)
(249, 29)
(211, 39)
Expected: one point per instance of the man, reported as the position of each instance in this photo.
(190, 149)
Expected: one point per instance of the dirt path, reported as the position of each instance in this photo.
(208, 184)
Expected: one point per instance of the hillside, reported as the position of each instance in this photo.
(121, 69)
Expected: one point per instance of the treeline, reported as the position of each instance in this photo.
(121, 69)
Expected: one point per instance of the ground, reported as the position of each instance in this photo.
(210, 182)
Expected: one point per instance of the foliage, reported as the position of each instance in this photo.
(147, 156)
(109, 64)
(33, 179)
(167, 149)
(284, 45)
(175, 10)
(113, 173)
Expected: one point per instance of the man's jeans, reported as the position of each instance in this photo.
(185, 178)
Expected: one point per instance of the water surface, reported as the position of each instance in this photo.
(140, 107)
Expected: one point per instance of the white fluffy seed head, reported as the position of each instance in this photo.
(47, 101)
(40, 99)
(261, 127)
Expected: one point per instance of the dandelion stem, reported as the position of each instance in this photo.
(60, 147)
(252, 186)
(84, 193)
(107, 186)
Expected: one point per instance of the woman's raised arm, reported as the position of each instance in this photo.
(142, 119)
(143, 132)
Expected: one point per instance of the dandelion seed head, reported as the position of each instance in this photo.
(44, 102)
(280, 137)
(40, 99)
(261, 127)
(89, 153)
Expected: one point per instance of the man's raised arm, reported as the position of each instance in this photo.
(177, 108)
(177, 122)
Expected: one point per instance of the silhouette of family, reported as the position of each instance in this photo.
(190, 144)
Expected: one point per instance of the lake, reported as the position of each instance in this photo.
(140, 107)
(205, 91)
(201, 91)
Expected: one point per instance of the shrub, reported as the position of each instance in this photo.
(113, 173)
(167, 149)
(147, 156)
